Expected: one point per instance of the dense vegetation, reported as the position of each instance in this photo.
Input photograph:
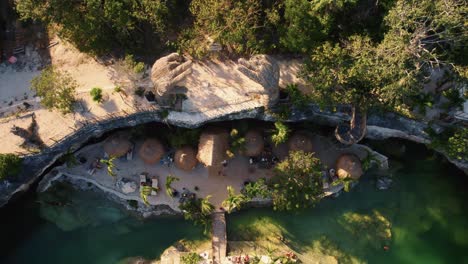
(420, 36)
(364, 52)
(198, 210)
(101, 26)
(297, 183)
(10, 165)
(241, 27)
(369, 53)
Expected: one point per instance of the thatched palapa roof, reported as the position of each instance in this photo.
(151, 151)
(300, 141)
(185, 158)
(348, 165)
(254, 143)
(212, 147)
(117, 145)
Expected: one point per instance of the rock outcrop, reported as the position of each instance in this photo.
(378, 127)
(264, 70)
(166, 73)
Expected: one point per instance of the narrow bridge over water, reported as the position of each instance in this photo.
(219, 240)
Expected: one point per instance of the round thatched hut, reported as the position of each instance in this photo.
(348, 165)
(185, 158)
(212, 147)
(300, 141)
(254, 143)
(151, 151)
(117, 145)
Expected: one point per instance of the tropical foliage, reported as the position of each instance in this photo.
(198, 210)
(98, 26)
(233, 201)
(169, 180)
(421, 36)
(110, 165)
(145, 191)
(56, 89)
(237, 142)
(233, 24)
(457, 146)
(307, 23)
(10, 165)
(281, 133)
(297, 183)
(190, 258)
(256, 189)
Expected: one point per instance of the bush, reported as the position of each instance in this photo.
(297, 183)
(10, 165)
(296, 97)
(281, 133)
(457, 145)
(96, 94)
(56, 89)
(131, 64)
(190, 258)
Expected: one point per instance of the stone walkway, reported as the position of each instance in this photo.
(219, 241)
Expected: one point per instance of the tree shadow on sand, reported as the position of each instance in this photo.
(32, 140)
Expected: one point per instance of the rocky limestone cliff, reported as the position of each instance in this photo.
(379, 126)
(264, 70)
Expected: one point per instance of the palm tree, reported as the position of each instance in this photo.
(205, 206)
(281, 133)
(145, 191)
(110, 165)
(169, 180)
(233, 201)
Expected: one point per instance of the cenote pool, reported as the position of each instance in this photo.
(421, 219)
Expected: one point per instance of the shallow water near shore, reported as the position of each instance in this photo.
(421, 219)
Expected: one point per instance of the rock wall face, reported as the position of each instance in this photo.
(167, 72)
(264, 70)
(379, 127)
(259, 76)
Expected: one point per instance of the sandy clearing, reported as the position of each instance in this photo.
(214, 88)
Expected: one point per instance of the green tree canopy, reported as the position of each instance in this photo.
(306, 23)
(233, 24)
(98, 26)
(233, 201)
(56, 89)
(421, 36)
(297, 183)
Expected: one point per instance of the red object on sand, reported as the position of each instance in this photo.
(12, 60)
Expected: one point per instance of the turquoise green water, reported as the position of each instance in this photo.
(88, 229)
(423, 218)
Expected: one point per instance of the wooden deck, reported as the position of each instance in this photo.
(219, 240)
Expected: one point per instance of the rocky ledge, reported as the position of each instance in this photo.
(380, 126)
